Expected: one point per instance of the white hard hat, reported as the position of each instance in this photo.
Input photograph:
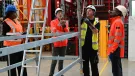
(122, 9)
(91, 7)
(58, 9)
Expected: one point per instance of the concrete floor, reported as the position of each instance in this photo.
(128, 68)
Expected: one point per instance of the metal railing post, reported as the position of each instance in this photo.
(79, 29)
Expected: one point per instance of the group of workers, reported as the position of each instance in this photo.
(90, 27)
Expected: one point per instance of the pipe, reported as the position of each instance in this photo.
(28, 8)
(63, 6)
(21, 8)
(113, 4)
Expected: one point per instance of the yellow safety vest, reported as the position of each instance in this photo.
(94, 36)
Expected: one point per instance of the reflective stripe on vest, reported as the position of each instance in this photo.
(13, 33)
(121, 46)
(83, 28)
(112, 37)
(117, 41)
(94, 36)
(109, 45)
(118, 34)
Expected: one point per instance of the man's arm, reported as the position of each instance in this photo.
(93, 28)
(66, 29)
(64, 25)
(53, 27)
(98, 26)
(6, 28)
(117, 38)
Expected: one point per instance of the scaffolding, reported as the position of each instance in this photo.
(78, 59)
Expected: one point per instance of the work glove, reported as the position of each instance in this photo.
(86, 20)
(94, 30)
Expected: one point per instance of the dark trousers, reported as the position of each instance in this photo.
(92, 57)
(3, 58)
(15, 58)
(116, 63)
(57, 51)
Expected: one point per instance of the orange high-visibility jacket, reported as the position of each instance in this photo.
(56, 27)
(15, 28)
(116, 36)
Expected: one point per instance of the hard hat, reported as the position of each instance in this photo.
(122, 9)
(91, 7)
(11, 8)
(58, 9)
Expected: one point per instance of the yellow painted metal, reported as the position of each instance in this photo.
(103, 38)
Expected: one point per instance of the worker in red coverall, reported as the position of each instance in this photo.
(116, 39)
(58, 25)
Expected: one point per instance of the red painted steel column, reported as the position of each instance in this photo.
(119, 1)
(28, 8)
(21, 8)
(57, 3)
(43, 5)
(49, 12)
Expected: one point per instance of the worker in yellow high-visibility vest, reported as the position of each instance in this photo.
(89, 41)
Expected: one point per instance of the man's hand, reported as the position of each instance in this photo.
(110, 57)
(95, 31)
(63, 23)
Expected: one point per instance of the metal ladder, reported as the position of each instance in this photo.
(38, 52)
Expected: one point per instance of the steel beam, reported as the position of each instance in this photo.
(67, 67)
(59, 58)
(30, 36)
(21, 47)
(15, 65)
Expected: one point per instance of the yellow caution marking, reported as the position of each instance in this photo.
(105, 65)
